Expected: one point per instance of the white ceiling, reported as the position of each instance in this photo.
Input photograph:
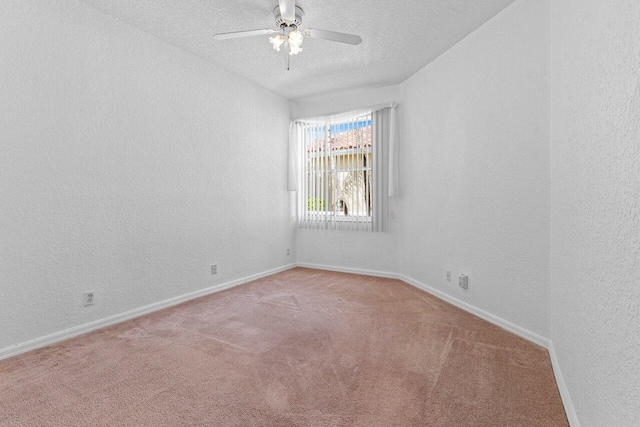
(399, 37)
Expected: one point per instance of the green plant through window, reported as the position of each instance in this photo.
(315, 204)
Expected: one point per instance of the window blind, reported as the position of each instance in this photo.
(336, 174)
(344, 170)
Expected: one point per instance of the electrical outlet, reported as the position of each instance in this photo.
(463, 281)
(288, 252)
(89, 297)
(214, 268)
(448, 275)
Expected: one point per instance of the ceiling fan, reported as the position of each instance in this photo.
(288, 19)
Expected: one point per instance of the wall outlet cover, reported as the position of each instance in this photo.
(463, 281)
(89, 297)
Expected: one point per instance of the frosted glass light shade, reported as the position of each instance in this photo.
(294, 50)
(276, 41)
(295, 38)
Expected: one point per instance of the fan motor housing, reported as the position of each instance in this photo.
(282, 23)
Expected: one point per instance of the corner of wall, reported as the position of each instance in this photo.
(562, 388)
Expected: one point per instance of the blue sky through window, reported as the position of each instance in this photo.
(343, 127)
(319, 132)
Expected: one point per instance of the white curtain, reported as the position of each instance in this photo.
(394, 188)
(385, 174)
(293, 163)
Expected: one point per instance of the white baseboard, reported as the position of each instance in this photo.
(349, 270)
(121, 317)
(562, 388)
(511, 327)
(496, 320)
(489, 317)
(111, 320)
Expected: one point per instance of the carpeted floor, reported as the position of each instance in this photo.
(302, 347)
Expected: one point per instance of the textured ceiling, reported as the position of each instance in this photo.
(399, 37)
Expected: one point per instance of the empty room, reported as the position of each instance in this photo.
(320, 213)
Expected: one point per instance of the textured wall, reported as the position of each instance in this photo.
(595, 207)
(127, 167)
(475, 168)
(349, 249)
(341, 101)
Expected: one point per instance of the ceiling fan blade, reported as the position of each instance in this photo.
(333, 36)
(288, 9)
(238, 34)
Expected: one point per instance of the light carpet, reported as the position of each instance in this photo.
(302, 347)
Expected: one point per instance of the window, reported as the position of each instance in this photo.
(343, 170)
(337, 168)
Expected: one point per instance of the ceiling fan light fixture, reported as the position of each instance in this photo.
(276, 41)
(295, 38)
(294, 50)
(288, 17)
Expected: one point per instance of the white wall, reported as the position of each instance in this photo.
(475, 169)
(349, 249)
(127, 166)
(332, 103)
(595, 207)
